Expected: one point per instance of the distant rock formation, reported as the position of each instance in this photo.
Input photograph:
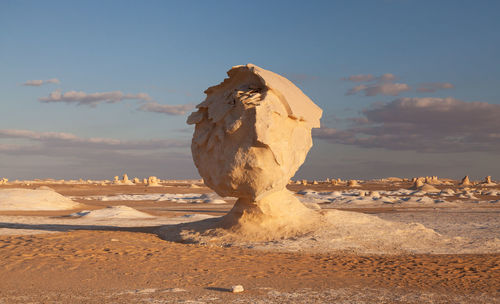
(488, 182)
(353, 183)
(417, 184)
(153, 182)
(465, 181)
(126, 181)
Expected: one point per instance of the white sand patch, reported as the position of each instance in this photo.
(345, 231)
(353, 199)
(402, 197)
(192, 198)
(34, 200)
(28, 225)
(113, 212)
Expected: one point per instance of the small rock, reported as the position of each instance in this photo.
(237, 288)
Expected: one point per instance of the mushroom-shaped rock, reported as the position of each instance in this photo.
(252, 133)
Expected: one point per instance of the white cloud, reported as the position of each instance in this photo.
(387, 77)
(68, 140)
(166, 109)
(388, 89)
(356, 89)
(431, 87)
(92, 99)
(31, 154)
(381, 85)
(360, 78)
(423, 124)
(370, 78)
(37, 83)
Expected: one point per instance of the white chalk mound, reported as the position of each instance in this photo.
(113, 212)
(34, 200)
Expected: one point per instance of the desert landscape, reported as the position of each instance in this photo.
(249, 152)
(109, 248)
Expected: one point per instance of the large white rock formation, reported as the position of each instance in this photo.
(253, 132)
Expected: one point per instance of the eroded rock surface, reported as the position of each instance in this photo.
(253, 132)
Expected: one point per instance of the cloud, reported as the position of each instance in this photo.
(65, 140)
(37, 83)
(381, 85)
(431, 87)
(360, 78)
(370, 77)
(423, 124)
(92, 99)
(31, 154)
(166, 109)
(389, 89)
(356, 89)
(387, 77)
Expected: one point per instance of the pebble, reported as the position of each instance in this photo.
(237, 288)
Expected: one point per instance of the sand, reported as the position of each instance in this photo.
(125, 261)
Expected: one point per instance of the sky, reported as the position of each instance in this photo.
(94, 89)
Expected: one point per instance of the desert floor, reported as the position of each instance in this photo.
(66, 263)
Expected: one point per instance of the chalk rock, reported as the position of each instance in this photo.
(353, 183)
(237, 288)
(126, 181)
(429, 188)
(34, 200)
(417, 184)
(488, 182)
(252, 133)
(465, 181)
(153, 181)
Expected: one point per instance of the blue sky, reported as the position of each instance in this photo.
(434, 115)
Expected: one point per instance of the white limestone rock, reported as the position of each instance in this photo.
(465, 181)
(237, 288)
(153, 181)
(252, 133)
(34, 200)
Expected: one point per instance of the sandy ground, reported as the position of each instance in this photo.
(109, 264)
